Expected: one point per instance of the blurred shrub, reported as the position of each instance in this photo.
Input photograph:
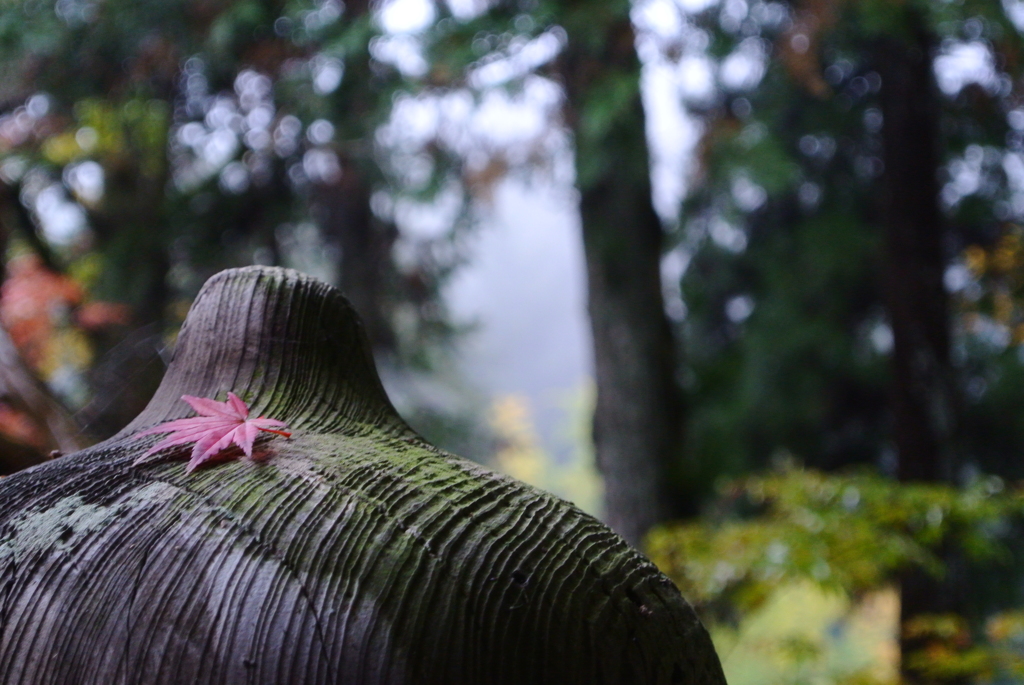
(797, 542)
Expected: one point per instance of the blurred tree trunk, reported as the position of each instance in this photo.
(637, 428)
(132, 233)
(923, 396)
(366, 271)
(918, 308)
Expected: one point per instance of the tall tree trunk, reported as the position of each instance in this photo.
(638, 417)
(131, 230)
(923, 391)
(367, 273)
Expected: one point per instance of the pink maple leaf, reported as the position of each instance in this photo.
(218, 426)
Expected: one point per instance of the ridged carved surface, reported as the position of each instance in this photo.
(352, 553)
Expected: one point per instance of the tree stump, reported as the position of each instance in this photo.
(353, 552)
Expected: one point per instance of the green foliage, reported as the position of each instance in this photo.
(784, 219)
(805, 635)
(752, 152)
(853, 533)
(780, 534)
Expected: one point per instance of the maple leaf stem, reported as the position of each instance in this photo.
(271, 430)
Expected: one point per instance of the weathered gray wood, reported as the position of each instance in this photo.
(352, 553)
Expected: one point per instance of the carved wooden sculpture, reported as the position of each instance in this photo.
(352, 552)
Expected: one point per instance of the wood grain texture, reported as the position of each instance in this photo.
(353, 553)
